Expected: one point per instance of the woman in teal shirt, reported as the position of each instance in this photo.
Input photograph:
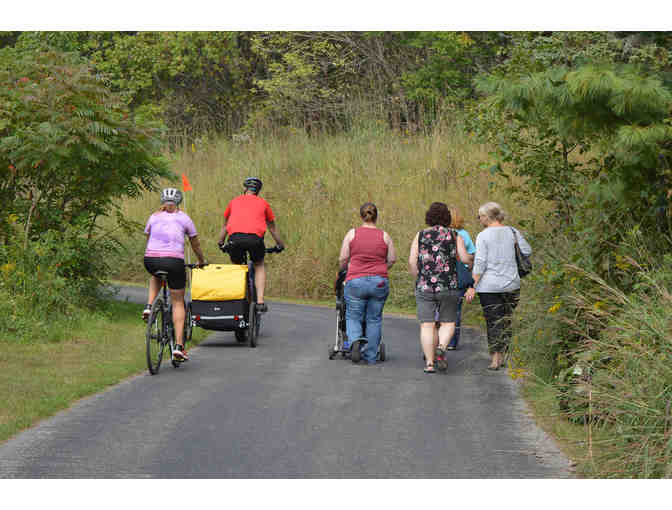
(457, 222)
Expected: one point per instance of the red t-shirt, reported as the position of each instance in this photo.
(248, 214)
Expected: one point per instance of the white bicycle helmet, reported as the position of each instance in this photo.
(171, 195)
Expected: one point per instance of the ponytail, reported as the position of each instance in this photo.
(369, 212)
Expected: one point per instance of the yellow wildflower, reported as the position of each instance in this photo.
(554, 308)
(465, 39)
(7, 268)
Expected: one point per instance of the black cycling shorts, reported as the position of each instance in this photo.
(250, 243)
(177, 275)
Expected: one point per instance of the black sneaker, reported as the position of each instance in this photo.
(261, 308)
(356, 350)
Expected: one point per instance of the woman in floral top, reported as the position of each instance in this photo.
(433, 261)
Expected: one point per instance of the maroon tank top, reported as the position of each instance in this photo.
(368, 254)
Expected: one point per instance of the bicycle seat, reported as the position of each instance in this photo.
(161, 274)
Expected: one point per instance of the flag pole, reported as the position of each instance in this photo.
(185, 187)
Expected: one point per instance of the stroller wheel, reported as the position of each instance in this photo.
(381, 351)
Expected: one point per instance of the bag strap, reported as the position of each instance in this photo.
(515, 236)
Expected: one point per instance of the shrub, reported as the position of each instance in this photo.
(41, 297)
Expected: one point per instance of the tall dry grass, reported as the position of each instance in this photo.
(316, 184)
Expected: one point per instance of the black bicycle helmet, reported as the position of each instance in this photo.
(254, 184)
(171, 195)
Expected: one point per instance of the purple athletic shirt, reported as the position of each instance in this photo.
(166, 234)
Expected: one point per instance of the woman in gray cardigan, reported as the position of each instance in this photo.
(496, 278)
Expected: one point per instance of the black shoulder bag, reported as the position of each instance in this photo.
(522, 261)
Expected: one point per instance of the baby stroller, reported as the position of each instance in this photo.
(337, 348)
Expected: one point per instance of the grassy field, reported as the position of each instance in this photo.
(316, 185)
(42, 378)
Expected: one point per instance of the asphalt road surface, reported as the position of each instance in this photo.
(284, 410)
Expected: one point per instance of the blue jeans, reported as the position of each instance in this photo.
(456, 336)
(364, 301)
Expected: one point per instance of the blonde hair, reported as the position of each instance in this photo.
(163, 207)
(493, 211)
(456, 219)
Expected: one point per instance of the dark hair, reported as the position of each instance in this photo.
(438, 214)
(369, 212)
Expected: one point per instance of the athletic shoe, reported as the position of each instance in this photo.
(146, 313)
(262, 308)
(440, 359)
(180, 354)
(356, 350)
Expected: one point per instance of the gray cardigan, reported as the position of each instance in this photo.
(495, 259)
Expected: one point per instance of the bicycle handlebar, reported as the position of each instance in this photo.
(195, 266)
(226, 247)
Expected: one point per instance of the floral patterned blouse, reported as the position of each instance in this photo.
(437, 259)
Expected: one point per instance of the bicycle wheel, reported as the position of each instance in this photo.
(252, 316)
(155, 337)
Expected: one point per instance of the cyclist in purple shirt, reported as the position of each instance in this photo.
(165, 232)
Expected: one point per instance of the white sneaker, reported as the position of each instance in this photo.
(146, 313)
(180, 355)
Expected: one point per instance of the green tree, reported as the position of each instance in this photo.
(193, 81)
(306, 80)
(69, 149)
(615, 117)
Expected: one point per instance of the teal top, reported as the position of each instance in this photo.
(468, 243)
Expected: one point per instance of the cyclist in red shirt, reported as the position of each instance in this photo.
(245, 221)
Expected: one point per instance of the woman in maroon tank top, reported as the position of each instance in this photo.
(367, 252)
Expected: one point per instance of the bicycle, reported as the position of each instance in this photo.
(254, 318)
(160, 329)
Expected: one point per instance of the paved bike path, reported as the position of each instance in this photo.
(285, 410)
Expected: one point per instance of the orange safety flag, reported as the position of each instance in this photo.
(185, 183)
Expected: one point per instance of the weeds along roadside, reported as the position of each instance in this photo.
(600, 348)
(316, 185)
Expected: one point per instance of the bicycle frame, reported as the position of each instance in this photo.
(254, 317)
(165, 334)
